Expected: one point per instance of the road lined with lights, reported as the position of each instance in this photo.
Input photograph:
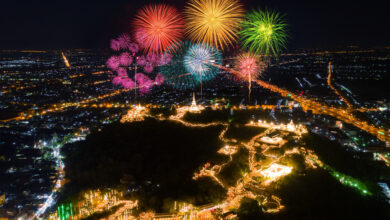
(342, 114)
(334, 89)
(61, 106)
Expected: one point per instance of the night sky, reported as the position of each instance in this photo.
(59, 24)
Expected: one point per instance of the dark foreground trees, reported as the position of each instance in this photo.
(153, 160)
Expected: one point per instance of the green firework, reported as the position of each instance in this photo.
(264, 33)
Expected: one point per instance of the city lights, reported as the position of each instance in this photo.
(193, 110)
(275, 171)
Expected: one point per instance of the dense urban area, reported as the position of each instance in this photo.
(318, 119)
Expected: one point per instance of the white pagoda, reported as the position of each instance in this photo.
(194, 107)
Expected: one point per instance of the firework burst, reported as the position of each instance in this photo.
(125, 59)
(190, 65)
(175, 73)
(157, 27)
(198, 60)
(249, 66)
(125, 63)
(159, 79)
(264, 32)
(144, 83)
(215, 22)
(115, 45)
(124, 41)
(113, 63)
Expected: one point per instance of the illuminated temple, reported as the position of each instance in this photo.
(194, 107)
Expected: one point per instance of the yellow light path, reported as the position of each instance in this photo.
(65, 59)
(61, 106)
(334, 89)
(342, 114)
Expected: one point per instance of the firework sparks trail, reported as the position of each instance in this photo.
(249, 67)
(197, 59)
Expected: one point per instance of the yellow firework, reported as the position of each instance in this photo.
(214, 22)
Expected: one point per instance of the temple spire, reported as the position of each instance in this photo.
(193, 99)
(194, 107)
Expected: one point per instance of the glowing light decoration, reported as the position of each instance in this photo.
(158, 27)
(65, 211)
(136, 113)
(264, 32)
(275, 171)
(348, 181)
(215, 22)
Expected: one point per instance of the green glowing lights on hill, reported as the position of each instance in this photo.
(264, 33)
(349, 181)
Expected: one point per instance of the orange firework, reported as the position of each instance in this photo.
(158, 27)
(215, 22)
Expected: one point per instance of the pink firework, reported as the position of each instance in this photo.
(141, 61)
(128, 83)
(124, 41)
(165, 59)
(158, 27)
(133, 47)
(120, 63)
(113, 62)
(248, 65)
(153, 58)
(122, 72)
(125, 59)
(117, 80)
(159, 79)
(148, 68)
(115, 45)
(144, 82)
